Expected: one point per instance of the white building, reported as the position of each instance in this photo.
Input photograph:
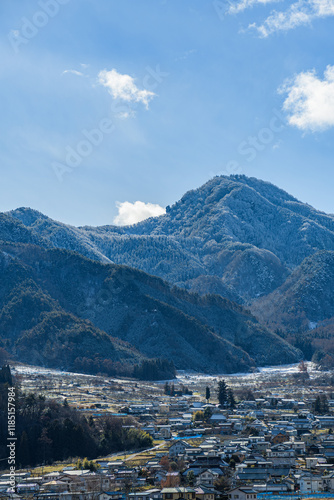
(311, 483)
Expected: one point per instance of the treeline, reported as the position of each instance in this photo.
(154, 369)
(317, 345)
(102, 366)
(47, 431)
(172, 390)
(149, 369)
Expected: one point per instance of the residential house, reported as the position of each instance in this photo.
(192, 453)
(217, 418)
(209, 462)
(112, 495)
(310, 483)
(204, 493)
(328, 480)
(298, 446)
(153, 493)
(327, 448)
(164, 432)
(179, 492)
(208, 477)
(242, 493)
(325, 422)
(279, 438)
(178, 447)
(281, 454)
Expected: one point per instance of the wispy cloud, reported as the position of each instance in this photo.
(130, 213)
(310, 100)
(73, 72)
(123, 87)
(300, 13)
(237, 7)
(186, 54)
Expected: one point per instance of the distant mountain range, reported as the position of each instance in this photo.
(240, 238)
(236, 236)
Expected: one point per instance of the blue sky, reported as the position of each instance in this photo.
(105, 103)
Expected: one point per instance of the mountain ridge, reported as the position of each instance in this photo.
(214, 238)
(240, 238)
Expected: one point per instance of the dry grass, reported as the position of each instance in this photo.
(38, 471)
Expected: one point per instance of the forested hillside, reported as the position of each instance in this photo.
(302, 309)
(57, 307)
(241, 239)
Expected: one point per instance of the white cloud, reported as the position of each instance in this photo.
(236, 8)
(73, 72)
(124, 115)
(299, 13)
(123, 87)
(130, 213)
(310, 100)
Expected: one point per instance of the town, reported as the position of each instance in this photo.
(267, 435)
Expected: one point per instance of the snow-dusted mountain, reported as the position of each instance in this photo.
(236, 236)
(240, 238)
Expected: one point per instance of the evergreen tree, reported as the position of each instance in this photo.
(323, 404)
(222, 392)
(317, 405)
(207, 393)
(320, 405)
(230, 398)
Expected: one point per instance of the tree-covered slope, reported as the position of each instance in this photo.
(66, 290)
(34, 328)
(302, 309)
(306, 297)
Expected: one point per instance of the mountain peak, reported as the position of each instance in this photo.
(28, 216)
(245, 232)
(221, 186)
